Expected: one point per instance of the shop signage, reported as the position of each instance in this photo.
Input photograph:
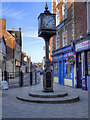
(82, 45)
(57, 57)
(62, 50)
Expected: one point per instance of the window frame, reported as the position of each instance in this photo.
(67, 67)
(57, 42)
(64, 11)
(64, 39)
(57, 2)
(56, 68)
(57, 17)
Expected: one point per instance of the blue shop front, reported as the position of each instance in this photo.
(63, 73)
(82, 50)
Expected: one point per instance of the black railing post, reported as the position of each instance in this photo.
(35, 77)
(30, 77)
(5, 75)
(21, 79)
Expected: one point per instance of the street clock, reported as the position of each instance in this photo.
(46, 29)
(46, 23)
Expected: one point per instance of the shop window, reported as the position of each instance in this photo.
(88, 61)
(64, 38)
(55, 68)
(68, 70)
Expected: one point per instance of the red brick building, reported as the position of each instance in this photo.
(72, 24)
(13, 47)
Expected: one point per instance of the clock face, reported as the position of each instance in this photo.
(48, 21)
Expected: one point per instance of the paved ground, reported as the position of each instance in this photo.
(13, 108)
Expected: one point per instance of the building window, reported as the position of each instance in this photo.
(3, 47)
(64, 11)
(57, 2)
(57, 42)
(55, 68)
(64, 38)
(68, 70)
(57, 18)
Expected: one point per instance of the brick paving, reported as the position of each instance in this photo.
(14, 108)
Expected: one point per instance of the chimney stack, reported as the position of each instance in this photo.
(3, 23)
(12, 28)
(19, 28)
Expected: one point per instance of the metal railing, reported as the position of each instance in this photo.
(20, 79)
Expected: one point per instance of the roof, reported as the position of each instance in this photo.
(10, 42)
(24, 53)
(17, 34)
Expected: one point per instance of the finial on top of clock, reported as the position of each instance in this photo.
(46, 7)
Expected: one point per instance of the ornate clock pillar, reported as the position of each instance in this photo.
(46, 29)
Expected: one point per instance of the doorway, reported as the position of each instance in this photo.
(79, 71)
(60, 72)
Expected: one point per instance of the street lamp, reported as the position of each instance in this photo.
(46, 29)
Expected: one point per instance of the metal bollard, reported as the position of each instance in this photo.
(21, 79)
(31, 78)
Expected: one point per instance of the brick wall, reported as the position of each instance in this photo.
(76, 22)
(68, 23)
(10, 43)
(80, 12)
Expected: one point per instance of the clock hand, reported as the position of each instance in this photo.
(49, 21)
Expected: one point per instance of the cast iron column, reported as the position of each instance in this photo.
(47, 74)
(47, 63)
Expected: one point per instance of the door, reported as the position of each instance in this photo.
(79, 71)
(60, 72)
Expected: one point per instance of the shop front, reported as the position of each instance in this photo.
(82, 50)
(64, 66)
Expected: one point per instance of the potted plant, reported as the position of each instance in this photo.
(70, 59)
